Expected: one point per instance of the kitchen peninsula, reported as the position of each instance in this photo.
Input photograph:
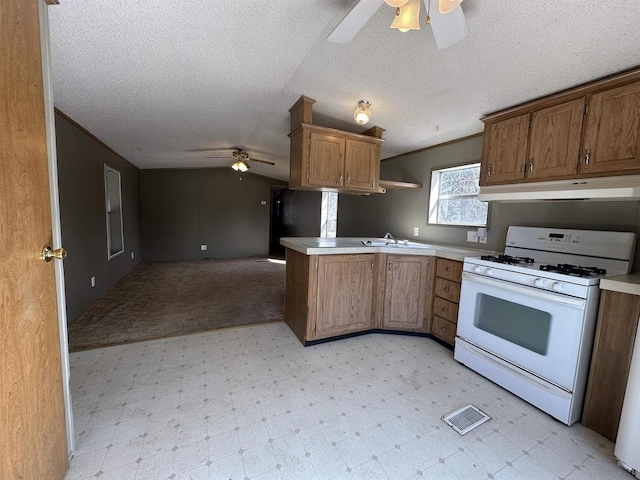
(341, 286)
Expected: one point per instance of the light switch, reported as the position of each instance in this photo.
(203, 247)
(93, 282)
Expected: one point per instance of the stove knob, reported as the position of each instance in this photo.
(558, 286)
(539, 282)
(478, 269)
(490, 271)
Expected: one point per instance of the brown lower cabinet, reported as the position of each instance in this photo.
(446, 299)
(407, 292)
(331, 295)
(610, 362)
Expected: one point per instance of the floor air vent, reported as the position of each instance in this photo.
(466, 419)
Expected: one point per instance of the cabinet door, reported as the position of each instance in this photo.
(555, 140)
(345, 294)
(612, 135)
(504, 150)
(326, 160)
(405, 292)
(362, 165)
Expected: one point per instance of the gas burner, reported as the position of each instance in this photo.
(508, 259)
(576, 270)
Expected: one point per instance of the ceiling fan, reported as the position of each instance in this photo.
(240, 159)
(445, 17)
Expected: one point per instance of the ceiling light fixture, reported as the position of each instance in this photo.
(240, 166)
(395, 3)
(408, 16)
(363, 112)
(445, 6)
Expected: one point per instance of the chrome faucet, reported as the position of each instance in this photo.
(388, 236)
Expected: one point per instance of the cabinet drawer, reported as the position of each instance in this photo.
(445, 309)
(449, 269)
(448, 290)
(444, 330)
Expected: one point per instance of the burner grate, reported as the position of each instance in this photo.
(508, 259)
(575, 270)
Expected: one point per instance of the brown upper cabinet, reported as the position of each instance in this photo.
(589, 131)
(324, 158)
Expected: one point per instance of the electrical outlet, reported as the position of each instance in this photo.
(203, 247)
(415, 231)
(93, 282)
(472, 236)
(263, 202)
(132, 255)
(482, 239)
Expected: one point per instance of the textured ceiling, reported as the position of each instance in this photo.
(158, 81)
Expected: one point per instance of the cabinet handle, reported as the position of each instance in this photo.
(341, 179)
(348, 178)
(489, 171)
(531, 165)
(444, 329)
(448, 269)
(389, 265)
(587, 156)
(371, 265)
(446, 289)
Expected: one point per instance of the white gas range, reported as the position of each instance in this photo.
(527, 318)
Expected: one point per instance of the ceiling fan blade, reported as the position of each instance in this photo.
(448, 28)
(260, 161)
(354, 21)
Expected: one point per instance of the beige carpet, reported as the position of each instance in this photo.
(159, 300)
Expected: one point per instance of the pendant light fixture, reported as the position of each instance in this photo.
(445, 6)
(362, 115)
(408, 16)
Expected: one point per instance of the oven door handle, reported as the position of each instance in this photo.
(527, 291)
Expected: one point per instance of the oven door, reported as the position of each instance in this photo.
(534, 329)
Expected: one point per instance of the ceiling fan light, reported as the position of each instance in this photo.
(445, 6)
(409, 17)
(240, 166)
(395, 3)
(362, 115)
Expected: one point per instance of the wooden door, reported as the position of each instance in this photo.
(32, 418)
(326, 160)
(362, 165)
(555, 140)
(612, 135)
(405, 293)
(345, 294)
(504, 150)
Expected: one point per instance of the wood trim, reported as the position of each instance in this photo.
(93, 137)
(301, 111)
(374, 132)
(392, 185)
(444, 144)
(335, 131)
(568, 94)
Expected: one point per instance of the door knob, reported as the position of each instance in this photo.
(48, 253)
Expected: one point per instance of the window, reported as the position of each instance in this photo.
(113, 203)
(329, 215)
(454, 197)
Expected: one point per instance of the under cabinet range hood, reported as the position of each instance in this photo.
(626, 187)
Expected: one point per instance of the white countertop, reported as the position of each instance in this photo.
(629, 283)
(353, 245)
